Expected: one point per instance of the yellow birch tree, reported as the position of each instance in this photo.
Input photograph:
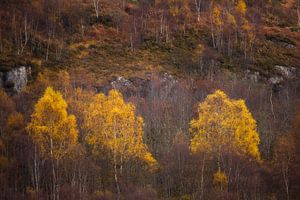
(241, 7)
(224, 124)
(53, 130)
(111, 124)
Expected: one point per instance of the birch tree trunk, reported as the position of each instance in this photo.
(198, 8)
(96, 7)
(202, 177)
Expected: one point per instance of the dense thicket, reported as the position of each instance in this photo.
(227, 33)
(71, 143)
(211, 134)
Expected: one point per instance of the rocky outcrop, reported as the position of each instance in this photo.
(14, 80)
(121, 82)
(282, 74)
(135, 86)
(279, 76)
(274, 80)
(253, 76)
(286, 72)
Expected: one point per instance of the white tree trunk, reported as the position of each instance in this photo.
(96, 7)
(198, 8)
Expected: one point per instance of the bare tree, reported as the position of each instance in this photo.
(198, 8)
(96, 7)
(298, 14)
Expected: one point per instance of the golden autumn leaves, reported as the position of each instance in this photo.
(51, 127)
(110, 123)
(222, 125)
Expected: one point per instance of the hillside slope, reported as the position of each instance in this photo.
(130, 37)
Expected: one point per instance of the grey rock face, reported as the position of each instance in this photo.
(283, 74)
(14, 80)
(121, 82)
(286, 72)
(132, 86)
(253, 76)
(290, 46)
(143, 86)
(275, 80)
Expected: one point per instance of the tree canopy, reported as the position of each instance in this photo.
(226, 124)
(51, 127)
(111, 123)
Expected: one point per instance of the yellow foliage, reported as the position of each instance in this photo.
(198, 52)
(15, 121)
(111, 124)
(186, 197)
(231, 19)
(103, 194)
(36, 62)
(216, 16)
(241, 7)
(224, 124)
(148, 158)
(220, 179)
(51, 128)
(78, 102)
